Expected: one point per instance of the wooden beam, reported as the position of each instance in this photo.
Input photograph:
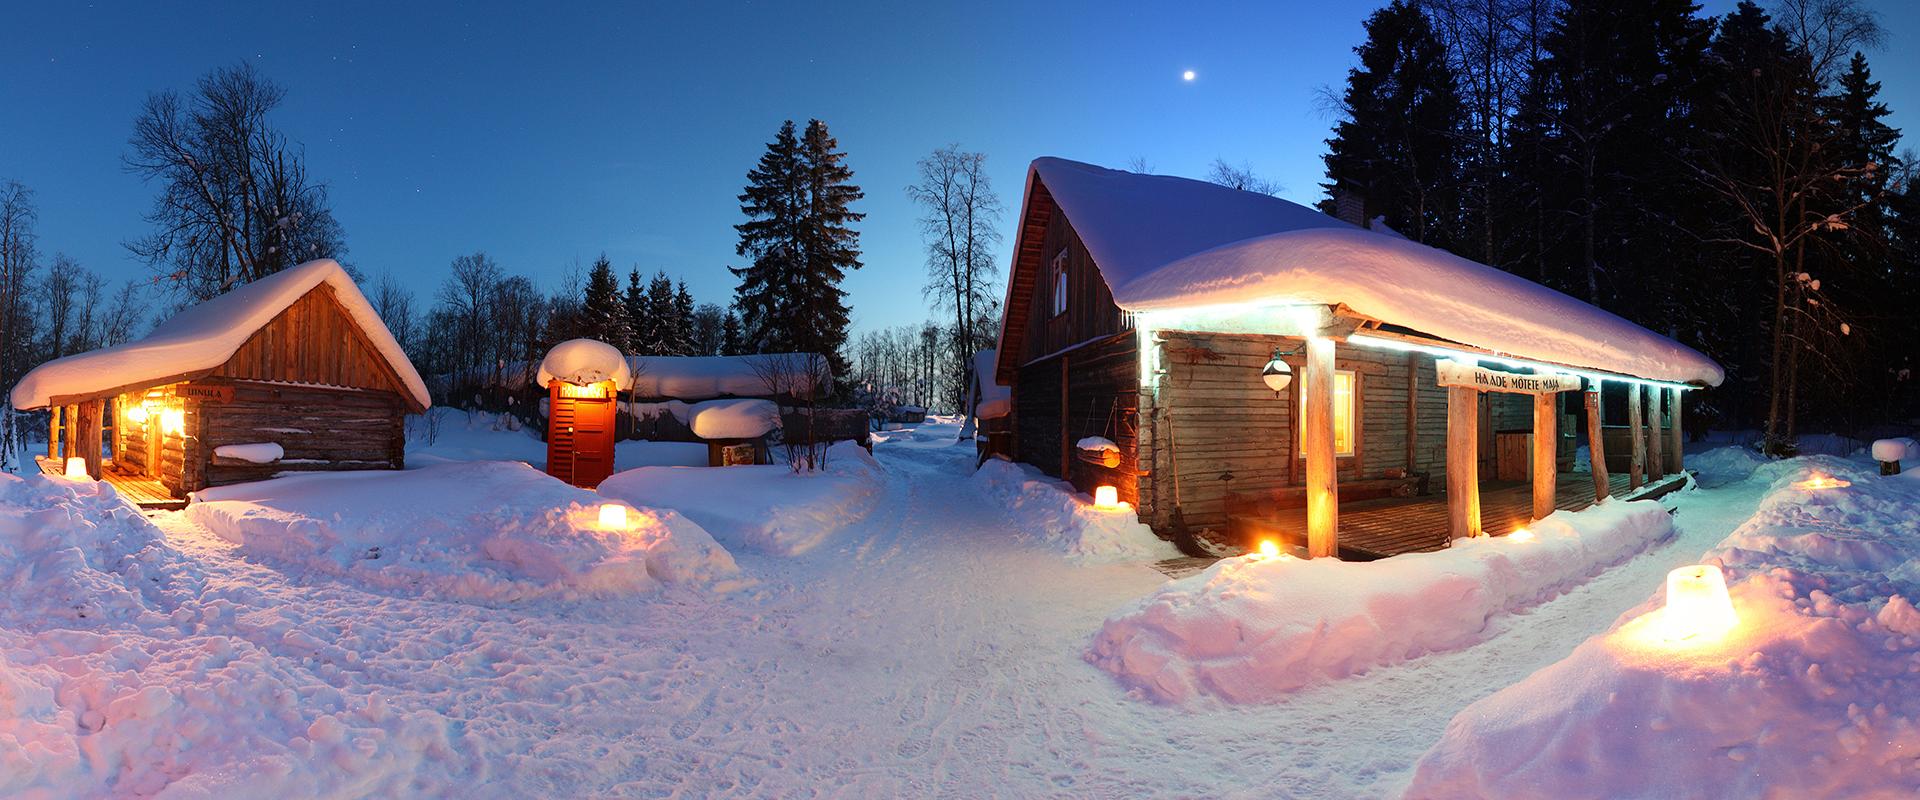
(1546, 461)
(1676, 463)
(53, 432)
(1323, 490)
(1596, 443)
(1636, 434)
(1656, 441)
(1463, 462)
(87, 435)
(1413, 410)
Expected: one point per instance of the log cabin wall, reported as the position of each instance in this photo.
(320, 428)
(133, 450)
(1232, 434)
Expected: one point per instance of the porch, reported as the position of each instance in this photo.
(146, 493)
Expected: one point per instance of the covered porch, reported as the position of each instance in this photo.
(143, 491)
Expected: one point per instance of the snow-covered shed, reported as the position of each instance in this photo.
(298, 360)
(1258, 363)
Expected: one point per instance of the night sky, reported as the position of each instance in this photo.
(545, 138)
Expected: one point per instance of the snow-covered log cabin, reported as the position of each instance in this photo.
(292, 372)
(1268, 371)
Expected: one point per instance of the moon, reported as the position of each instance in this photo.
(1186, 76)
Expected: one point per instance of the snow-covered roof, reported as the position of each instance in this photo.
(585, 361)
(990, 399)
(201, 338)
(1163, 242)
(706, 377)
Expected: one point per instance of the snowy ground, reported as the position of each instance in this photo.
(932, 647)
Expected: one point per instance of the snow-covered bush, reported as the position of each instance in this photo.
(1254, 628)
(1811, 695)
(1060, 517)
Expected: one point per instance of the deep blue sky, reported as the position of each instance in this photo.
(545, 137)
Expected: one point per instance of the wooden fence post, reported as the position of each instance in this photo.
(1596, 443)
(1463, 462)
(1546, 455)
(1323, 491)
(1638, 434)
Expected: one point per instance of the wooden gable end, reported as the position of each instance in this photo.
(315, 341)
(1032, 328)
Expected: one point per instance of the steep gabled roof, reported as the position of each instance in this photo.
(1164, 243)
(201, 338)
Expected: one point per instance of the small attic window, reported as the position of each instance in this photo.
(1059, 270)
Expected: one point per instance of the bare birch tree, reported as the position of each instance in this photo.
(958, 228)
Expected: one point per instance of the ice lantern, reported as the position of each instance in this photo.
(1106, 498)
(613, 517)
(77, 468)
(1697, 603)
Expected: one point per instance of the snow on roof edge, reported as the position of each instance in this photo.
(204, 336)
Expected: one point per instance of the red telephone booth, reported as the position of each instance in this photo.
(580, 431)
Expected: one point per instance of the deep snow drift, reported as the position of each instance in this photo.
(1254, 628)
(1810, 695)
(769, 508)
(491, 532)
(1054, 513)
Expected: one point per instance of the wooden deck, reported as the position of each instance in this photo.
(146, 493)
(1374, 529)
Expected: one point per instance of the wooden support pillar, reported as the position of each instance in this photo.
(1676, 464)
(1637, 434)
(1323, 490)
(1656, 440)
(1546, 455)
(86, 435)
(53, 431)
(1596, 443)
(1463, 462)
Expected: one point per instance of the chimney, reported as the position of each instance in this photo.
(1349, 206)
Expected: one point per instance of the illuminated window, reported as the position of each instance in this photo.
(1060, 283)
(1343, 413)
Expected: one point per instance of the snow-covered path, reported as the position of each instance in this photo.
(929, 650)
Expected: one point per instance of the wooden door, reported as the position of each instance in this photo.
(580, 433)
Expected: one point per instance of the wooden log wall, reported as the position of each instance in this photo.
(133, 453)
(320, 428)
(1102, 399)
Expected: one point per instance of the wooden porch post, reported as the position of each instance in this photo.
(1463, 461)
(87, 436)
(1323, 491)
(53, 431)
(1638, 435)
(1676, 463)
(1596, 447)
(1546, 455)
(1656, 441)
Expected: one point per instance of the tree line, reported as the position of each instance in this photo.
(1729, 181)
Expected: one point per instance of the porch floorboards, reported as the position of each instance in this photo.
(146, 493)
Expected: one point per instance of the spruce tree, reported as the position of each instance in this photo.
(685, 341)
(661, 313)
(1398, 145)
(603, 315)
(831, 247)
(640, 342)
(730, 335)
(774, 202)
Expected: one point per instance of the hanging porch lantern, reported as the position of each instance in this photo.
(1277, 374)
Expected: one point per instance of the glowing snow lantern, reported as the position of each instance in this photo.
(1269, 549)
(1522, 535)
(613, 517)
(1276, 374)
(1697, 603)
(77, 468)
(1106, 498)
(1819, 481)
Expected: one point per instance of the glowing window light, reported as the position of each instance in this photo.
(1521, 535)
(1819, 481)
(173, 421)
(1342, 414)
(1697, 604)
(1106, 498)
(137, 414)
(591, 391)
(613, 516)
(77, 468)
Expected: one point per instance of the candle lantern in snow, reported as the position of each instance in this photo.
(77, 468)
(1106, 498)
(1698, 605)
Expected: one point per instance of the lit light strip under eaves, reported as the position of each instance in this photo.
(1365, 340)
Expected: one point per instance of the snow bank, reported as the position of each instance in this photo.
(488, 532)
(1723, 465)
(585, 361)
(203, 337)
(708, 377)
(1169, 243)
(769, 508)
(256, 452)
(72, 553)
(739, 418)
(1066, 520)
(1253, 629)
(643, 453)
(1810, 696)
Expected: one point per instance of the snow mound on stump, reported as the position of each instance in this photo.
(1811, 695)
(1253, 629)
(1052, 511)
(73, 554)
(769, 508)
(481, 532)
(742, 418)
(585, 361)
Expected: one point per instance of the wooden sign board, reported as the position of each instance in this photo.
(214, 393)
(1470, 376)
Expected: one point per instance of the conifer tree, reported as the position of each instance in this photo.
(604, 316)
(774, 202)
(730, 335)
(664, 334)
(635, 301)
(685, 340)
